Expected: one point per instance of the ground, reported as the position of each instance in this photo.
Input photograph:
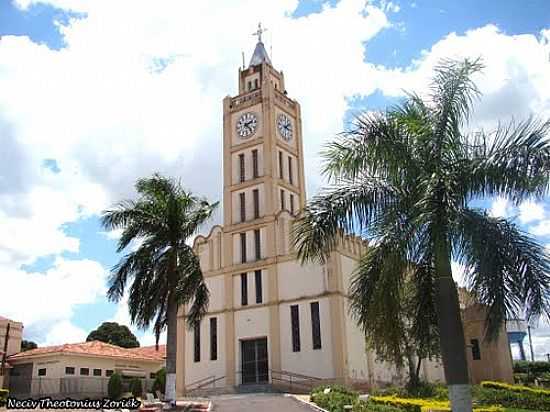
(259, 402)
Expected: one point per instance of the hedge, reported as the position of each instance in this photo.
(531, 367)
(512, 399)
(335, 399)
(516, 388)
(425, 405)
(3, 396)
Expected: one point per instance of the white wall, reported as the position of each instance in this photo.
(248, 164)
(249, 203)
(216, 286)
(205, 367)
(251, 288)
(296, 281)
(308, 361)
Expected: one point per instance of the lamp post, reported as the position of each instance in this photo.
(530, 343)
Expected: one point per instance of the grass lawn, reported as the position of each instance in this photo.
(520, 410)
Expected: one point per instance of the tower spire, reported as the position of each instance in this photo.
(260, 54)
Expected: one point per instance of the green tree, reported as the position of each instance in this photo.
(407, 178)
(114, 386)
(28, 345)
(115, 334)
(163, 271)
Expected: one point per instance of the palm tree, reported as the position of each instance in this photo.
(164, 271)
(407, 178)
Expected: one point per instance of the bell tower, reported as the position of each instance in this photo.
(263, 159)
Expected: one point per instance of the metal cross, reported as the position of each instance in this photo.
(259, 32)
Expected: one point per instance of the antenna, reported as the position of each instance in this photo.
(243, 59)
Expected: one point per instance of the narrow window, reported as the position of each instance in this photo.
(85, 371)
(282, 199)
(476, 353)
(109, 372)
(244, 289)
(315, 325)
(241, 167)
(213, 338)
(243, 206)
(258, 281)
(197, 343)
(243, 247)
(256, 195)
(295, 325)
(255, 163)
(291, 203)
(69, 370)
(97, 372)
(281, 165)
(290, 174)
(255, 83)
(42, 372)
(152, 375)
(249, 85)
(257, 244)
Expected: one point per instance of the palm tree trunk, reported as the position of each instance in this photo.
(451, 332)
(171, 348)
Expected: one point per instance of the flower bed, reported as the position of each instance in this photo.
(425, 405)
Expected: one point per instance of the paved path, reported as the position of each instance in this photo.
(258, 402)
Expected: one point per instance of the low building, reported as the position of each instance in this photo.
(80, 369)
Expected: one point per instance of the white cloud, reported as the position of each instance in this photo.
(64, 332)
(499, 207)
(541, 229)
(530, 211)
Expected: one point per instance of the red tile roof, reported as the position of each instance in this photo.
(151, 351)
(94, 348)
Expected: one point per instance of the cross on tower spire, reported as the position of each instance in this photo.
(259, 32)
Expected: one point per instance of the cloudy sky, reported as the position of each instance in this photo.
(94, 94)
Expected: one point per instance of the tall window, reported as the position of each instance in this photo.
(255, 163)
(255, 83)
(249, 85)
(315, 325)
(243, 247)
(257, 244)
(476, 352)
(295, 325)
(258, 282)
(256, 196)
(241, 167)
(290, 174)
(213, 338)
(291, 203)
(282, 199)
(242, 201)
(244, 289)
(197, 343)
(281, 165)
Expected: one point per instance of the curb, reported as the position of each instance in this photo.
(311, 405)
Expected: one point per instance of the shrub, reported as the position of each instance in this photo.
(160, 381)
(362, 406)
(136, 387)
(513, 399)
(531, 367)
(114, 388)
(335, 399)
(516, 388)
(3, 396)
(425, 405)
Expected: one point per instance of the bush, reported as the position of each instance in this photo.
(425, 405)
(516, 388)
(114, 388)
(160, 381)
(3, 396)
(513, 399)
(335, 399)
(531, 367)
(424, 390)
(136, 387)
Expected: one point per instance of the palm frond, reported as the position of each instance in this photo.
(506, 269)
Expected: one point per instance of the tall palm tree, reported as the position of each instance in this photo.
(164, 271)
(407, 178)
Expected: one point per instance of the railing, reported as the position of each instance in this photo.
(295, 382)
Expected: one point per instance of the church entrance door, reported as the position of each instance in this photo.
(255, 367)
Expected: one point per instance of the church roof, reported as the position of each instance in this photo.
(260, 55)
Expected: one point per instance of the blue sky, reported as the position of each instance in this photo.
(86, 109)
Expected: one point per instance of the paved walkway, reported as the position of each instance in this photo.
(258, 402)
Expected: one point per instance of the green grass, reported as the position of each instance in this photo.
(521, 410)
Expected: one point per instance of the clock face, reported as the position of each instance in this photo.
(284, 125)
(246, 125)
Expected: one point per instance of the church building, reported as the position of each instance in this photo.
(268, 314)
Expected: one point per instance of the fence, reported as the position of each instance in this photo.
(73, 387)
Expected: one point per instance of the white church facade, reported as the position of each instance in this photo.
(268, 313)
